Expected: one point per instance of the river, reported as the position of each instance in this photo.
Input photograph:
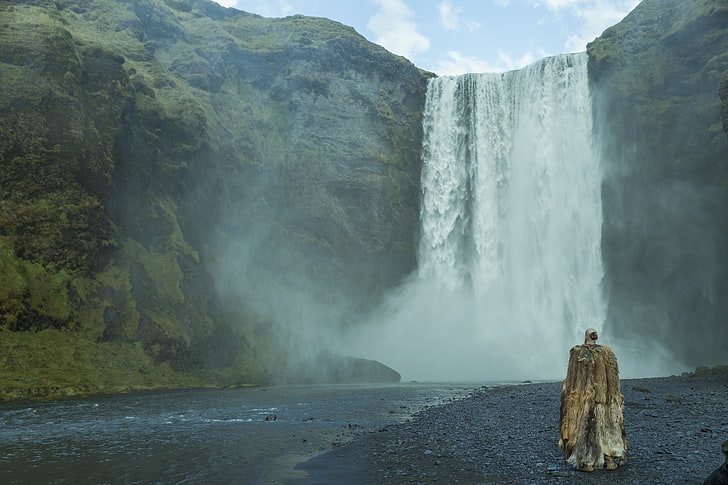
(246, 436)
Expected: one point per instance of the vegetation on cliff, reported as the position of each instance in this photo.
(656, 79)
(145, 145)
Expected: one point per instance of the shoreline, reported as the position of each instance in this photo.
(509, 434)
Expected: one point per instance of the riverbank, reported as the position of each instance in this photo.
(508, 435)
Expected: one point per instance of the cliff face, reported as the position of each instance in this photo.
(656, 78)
(173, 170)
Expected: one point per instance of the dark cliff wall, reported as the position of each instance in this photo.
(172, 171)
(656, 79)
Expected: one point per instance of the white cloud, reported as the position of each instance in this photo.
(594, 16)
(473, 26)
(457, 63)
(598, 8)
(266, 8)
(558, 4)
(395, 31)
(597, 16)
(449, 15)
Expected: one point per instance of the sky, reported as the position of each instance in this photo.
(450, 37)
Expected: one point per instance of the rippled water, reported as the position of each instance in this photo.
(196, 436)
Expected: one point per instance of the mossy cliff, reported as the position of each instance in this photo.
(656, 80)
(168, 167)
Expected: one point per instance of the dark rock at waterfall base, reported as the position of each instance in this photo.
(355, 370)
(329, 368)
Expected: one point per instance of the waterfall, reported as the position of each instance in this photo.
(511, 208)
(509, 260)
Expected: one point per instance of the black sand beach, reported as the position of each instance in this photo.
(509, 434)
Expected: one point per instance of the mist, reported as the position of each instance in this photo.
(296, 318)
(429, 333)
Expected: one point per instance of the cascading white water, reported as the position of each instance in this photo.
(510, 266)
(511, 208)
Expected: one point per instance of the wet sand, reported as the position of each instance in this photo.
(508, 435)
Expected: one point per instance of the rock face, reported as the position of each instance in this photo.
(173, 170)
(656, 78)
(327, 367)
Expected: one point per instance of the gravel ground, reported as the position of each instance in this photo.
(508, 435)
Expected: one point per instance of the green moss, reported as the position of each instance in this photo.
(29, 286)
(161, 268)
(119, 298)
(48, 292)
(171, 328)
(55, 363)
(12, 282)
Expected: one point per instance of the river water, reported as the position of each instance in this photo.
(248, 435)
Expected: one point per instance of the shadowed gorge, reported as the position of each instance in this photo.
(192, 195)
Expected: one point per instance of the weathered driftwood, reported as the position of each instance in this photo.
(592, 421)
